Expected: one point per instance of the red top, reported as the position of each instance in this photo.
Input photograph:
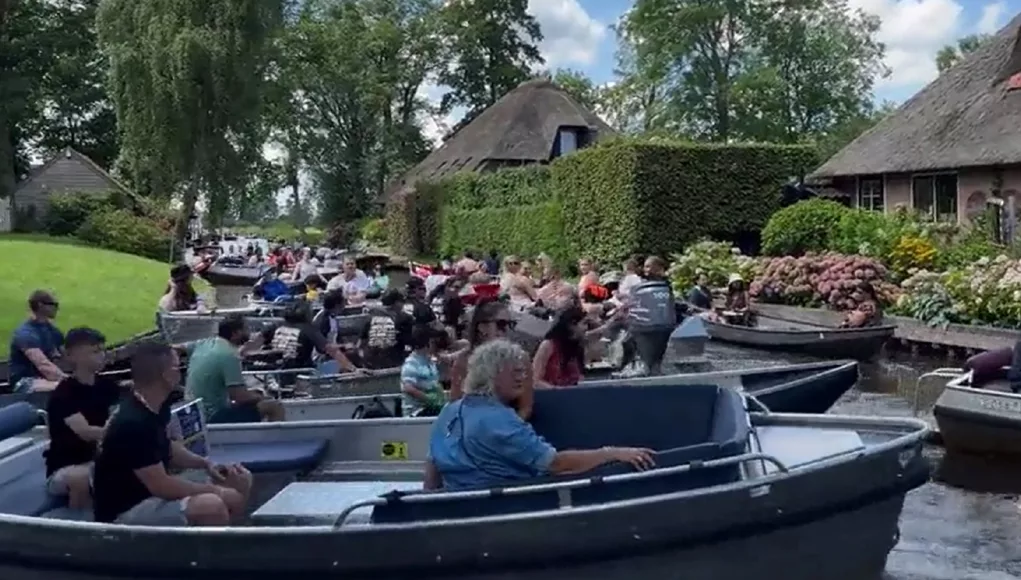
(561, 376)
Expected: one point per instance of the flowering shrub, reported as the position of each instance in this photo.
(911, 253)
(988, 291)
(830, 280)
(718, 260)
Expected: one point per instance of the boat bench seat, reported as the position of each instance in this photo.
(273, 457)
(684, 424)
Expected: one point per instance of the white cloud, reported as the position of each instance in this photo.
(992, 17)
(572, 37)
(913, 31)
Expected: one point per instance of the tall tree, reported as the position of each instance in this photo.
(187, 81)
(811, 66)
(25, 41)
(951, 53)
(492, 47)
(579, 86)
(637, 101)
(353, 70)
(74, 109)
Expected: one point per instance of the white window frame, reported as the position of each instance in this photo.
(857, 191)
(957, 192)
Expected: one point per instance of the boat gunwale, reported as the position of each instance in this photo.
(915, 431)
(840, 333)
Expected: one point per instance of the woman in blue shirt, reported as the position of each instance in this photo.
(479, 441)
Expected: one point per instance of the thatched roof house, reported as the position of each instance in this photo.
(534, 123)
(948, 149)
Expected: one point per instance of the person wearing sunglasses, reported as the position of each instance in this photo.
(491, 320)
(35, 345)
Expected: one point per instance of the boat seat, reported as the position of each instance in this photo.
(17, 418)
(725, 434)
(281, 456)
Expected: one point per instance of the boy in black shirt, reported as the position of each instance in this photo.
(132, 483)
(77, 413)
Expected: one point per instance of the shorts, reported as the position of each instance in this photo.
(23, 386)
(238, 413)
(156, 512)
(56, 484)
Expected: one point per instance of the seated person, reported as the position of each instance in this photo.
(417, 302)
(737, 305)
(315, 285)
(298, 340)
(325, 321)
(180, 295)
(386, 337)
(868, 312)
(214, 375)
(35, 346)
(422, 394)
(77, 412)
(270, 287)
(700, 297)
(479, 441)
(132, 484)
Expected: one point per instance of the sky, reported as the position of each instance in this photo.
(577, 36)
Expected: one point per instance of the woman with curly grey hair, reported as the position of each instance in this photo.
(480, 441)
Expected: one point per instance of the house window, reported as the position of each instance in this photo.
(870, 193)
(568, 141)
(935, 196)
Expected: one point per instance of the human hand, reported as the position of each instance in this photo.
(638, 457)
(217, 472)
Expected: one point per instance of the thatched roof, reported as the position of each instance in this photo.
(967, 117)
(520, 127)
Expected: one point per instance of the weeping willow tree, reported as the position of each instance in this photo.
(187, 81)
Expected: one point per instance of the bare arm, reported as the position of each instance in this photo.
(579, 461)
(242, 394)
(80, 425)
(540, 361)
(334, 352)
(165, 486)
(432, 477)
(44, 365)
(457, 374)
(181, 458)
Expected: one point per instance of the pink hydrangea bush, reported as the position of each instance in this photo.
(821, 280)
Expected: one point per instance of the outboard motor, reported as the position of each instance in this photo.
(651, 320)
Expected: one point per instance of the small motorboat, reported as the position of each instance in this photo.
(800, 388)
(332, 498)
(815, 340)
(189, 325)
(220, 274)
(978, 417)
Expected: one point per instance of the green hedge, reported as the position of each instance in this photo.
(123, 231)
(617, 198)
(807, 226)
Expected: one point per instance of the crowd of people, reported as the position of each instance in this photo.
(457, 364)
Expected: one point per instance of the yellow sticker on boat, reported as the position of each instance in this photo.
(394, 450)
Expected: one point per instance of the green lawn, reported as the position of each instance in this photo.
(112, 292)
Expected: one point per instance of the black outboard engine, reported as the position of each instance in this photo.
(651, 319)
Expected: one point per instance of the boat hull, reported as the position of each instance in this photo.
(857, 343)
(231, 276)
(979, 420)
(798, 522)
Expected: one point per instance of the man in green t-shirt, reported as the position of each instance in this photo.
(214, 375)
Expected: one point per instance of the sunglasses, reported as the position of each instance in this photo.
(504, 324)
(54, 304)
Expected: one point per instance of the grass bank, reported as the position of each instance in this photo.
(112, 292)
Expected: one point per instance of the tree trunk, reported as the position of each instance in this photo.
(191, 195)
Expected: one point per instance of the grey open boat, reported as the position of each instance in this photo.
(822, 341)
(180, 327)
(733, 493)
(973, 419)
(799, 388)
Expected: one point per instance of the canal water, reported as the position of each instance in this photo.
(965, 524)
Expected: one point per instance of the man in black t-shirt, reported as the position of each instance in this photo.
(132, 484)
(298, 340)
(417, 305)
(386, 337)
(77, 412)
